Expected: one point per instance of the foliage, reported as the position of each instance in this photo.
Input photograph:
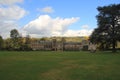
(14, 33)
(17, 42)
(7, 44)
(108, 32)
(15, 39)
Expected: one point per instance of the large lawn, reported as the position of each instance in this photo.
(39, 65)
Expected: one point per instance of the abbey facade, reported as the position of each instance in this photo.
(59, 45)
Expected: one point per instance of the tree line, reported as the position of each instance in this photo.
(15, 42)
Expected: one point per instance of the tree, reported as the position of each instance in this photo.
(14, 34)
(8, 44)
(1, 43)
(108, 31)
(43, 39)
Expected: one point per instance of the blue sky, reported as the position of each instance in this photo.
(85, 9)
(80, 15)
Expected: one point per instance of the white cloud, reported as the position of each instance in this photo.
(44, 25)
(6, 27)
(10, 2)
(47, 9)
(12, 12)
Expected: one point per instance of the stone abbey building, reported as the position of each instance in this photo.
(59, 45)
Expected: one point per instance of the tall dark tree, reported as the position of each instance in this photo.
(108, 31)
(14, 34)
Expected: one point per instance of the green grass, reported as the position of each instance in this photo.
(39, 65)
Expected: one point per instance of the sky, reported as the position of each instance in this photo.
(47, 18)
